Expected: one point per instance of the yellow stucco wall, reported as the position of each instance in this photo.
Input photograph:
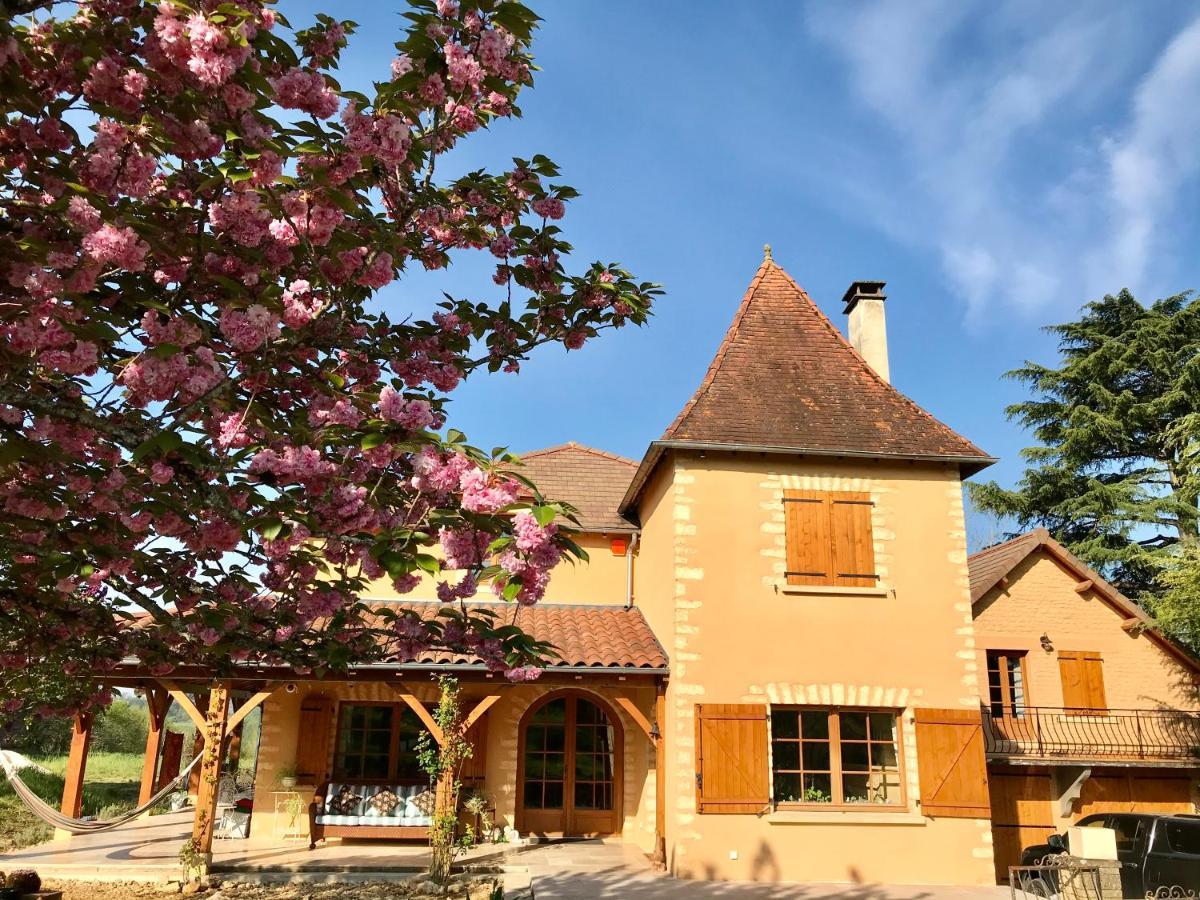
(1040, 598)
(735, 635)
(602, 578)
(280, 738)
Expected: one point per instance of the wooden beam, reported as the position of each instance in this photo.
(1084, 586)
(157, 701)
(631, 709)
(252, 704)
(81, 737)
(422, 713)
(477, 713)
(185, 703)
(210, 770)
(234, 753)
(660, 776)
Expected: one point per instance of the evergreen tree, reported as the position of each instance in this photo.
(1115, 474)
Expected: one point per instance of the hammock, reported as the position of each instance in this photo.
(52, 816)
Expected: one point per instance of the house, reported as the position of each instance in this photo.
(1087, 708)
(769, 669)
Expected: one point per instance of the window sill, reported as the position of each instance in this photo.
(850, 817)
(830, 589)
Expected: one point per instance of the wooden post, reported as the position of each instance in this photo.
(81, 736)
(156, 708)
(197, 747)
(210, 770)
(172, 753)
(660, 775)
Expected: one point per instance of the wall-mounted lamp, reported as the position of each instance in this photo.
(655, 734)
(1046, 643)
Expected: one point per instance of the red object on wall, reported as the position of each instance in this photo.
(620, 545)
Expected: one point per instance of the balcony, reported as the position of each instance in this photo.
(1131, 736)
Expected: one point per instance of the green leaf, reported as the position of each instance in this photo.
(372, 440)
(544, 515)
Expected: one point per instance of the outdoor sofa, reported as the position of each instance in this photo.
(382, 811)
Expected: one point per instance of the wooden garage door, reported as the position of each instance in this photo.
(1022, 815)
(1158, 791)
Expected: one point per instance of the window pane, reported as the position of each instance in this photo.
(786, 755)
(814, 724)
(554, 711)
(785, 723)
(818, 789)
(375, 767)
(554, 766)
(585, 796)
(816, 755)
(554, 795)
(854, 757)
(585, 767)
(533, 795)
(585, 739)
(787, 788)
(854, 788)
(535, 767)
(883, 756)
(535, 738)
(556, 738)
(854, 725)
(883, 727)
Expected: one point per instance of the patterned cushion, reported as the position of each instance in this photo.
(344, 802)
(382, 803)
(426, 802)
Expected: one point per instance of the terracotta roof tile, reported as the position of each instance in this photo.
(784, 377)
(990, 565)
(591, 480)
(599, 637)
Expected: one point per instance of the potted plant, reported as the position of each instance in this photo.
(286, 776)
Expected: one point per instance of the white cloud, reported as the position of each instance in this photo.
(1035, 150)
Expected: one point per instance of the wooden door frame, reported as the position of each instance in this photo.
(614, 719)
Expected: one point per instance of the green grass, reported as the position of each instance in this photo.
(110, 785)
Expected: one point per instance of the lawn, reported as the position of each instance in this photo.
(110, 787)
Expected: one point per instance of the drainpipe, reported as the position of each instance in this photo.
(633, 542)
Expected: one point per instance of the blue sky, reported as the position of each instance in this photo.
(998, 164)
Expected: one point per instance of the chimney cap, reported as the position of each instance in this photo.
(859, 289)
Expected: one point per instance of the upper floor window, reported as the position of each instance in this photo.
(837, 757)
(829, 540)
(1006, 682)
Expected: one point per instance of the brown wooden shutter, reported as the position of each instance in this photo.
(853, 545)
(312, 739)
(952, 764)
(474, 769)
(733, 773)
(1082, 673)
(809, 557)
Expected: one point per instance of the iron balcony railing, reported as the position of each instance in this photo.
(1120, 734)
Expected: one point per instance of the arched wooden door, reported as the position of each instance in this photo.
(570, 767)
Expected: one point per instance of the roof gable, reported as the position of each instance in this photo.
(989, 568)
(785, 378)
(591, 480)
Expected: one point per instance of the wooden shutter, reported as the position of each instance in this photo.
(312, 739)
(952, 764)
(733, 773)
(809, 560)
(853, 545)
(829, 539)
(1082, 674)
(474, 769)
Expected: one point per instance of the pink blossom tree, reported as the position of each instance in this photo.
(211, 438)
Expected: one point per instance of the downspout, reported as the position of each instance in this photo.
(633, 542)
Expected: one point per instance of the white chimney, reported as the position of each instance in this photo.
(868, 324)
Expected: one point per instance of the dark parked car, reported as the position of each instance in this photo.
(1153, 851)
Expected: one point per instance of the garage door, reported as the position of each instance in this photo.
(1022, 815)
(1115, 790)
